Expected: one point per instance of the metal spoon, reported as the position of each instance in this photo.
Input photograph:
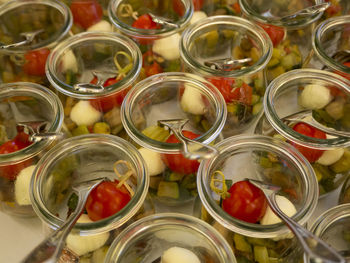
(315, 247)
(163, 21)
(29, 37)
(101, 76)
(50, 249)
(191, 149)
(226, 63)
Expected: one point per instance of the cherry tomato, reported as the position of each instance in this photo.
(145, 22)
(310, 154)
(275, 33)
(21, 141)
(106, 200)
(35, 62)
(246, 202)
(153, 69)
(86, 12)
(243, 94)
(333, 10)
(177, 162)
(236, 7)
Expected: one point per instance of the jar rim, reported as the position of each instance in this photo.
(10, 90)
(103, 225)
(255, 230)
(262, 36)
(170, 220)
(281, 127)
(137, 91)
(61, 33)
(75, 40)
(289, 24)
(317, 35)
(149, 33)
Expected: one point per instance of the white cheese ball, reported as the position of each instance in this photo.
(331, 156)
(69, 62)
(83, 113)
(315, 97)
(168, 47)
(179, 255)
(192, 101)
(22, 186)
(153, 161)
(102, 26)
(197, 15)
(82, 245)
(286, 207)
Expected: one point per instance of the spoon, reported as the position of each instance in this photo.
(226, 63)
(315, 247)
(191, 149)
(29, 37)
(50, 249)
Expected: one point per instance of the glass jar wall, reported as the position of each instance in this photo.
(83, 158)
(29, 30)
(171, 96)
(256, 234)
(27, 110)
(210, 49)
(92, 72)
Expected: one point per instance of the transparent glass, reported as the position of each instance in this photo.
(271, 161)
(92, 72)
(83, 158)
(216, 8)
(16, 164)
(158, 43)
(329, 40)
(344, 196)
(147, 239)
(326, 96)
(51, 20)
(333, 226)
(337, 8)
(243, 85)
(290, 37)
(172, 96)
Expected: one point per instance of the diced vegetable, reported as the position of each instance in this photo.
(168, 189)
(22, 186)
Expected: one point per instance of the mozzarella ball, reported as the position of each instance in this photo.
(168, 47)
(315, 97)
(102, 26)
(286, 207)
(69, 62)
(191, 101)
(153, 161)
(331, 156)
(22, 186)
(83, 113)
(197, 15)
(82, 245)
(179, 254)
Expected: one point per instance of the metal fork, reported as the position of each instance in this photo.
(50, 249)
(315, 247)
(29, 37)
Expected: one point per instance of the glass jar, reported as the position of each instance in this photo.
(29, 30)
(158, 42)
(204, 8)
(333, 227)
(92, 73)
(206, 48)
(83, 158)
(329, 39)
(325, 96)
(150, 237)
(336, 8)
(290, 36)
(18, 153)
(268, 160)
(172, 96)
(344, 196)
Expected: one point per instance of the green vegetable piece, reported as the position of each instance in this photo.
(273, 62)
(242, 259)
(101, 127)
(259, 84)
(70, 77)
(212, 38)
(80, 130)
(189, 182)
(205, 124)
(173, 66)
(232, 108)
(255, 99)
(168, 189)
(260, 254)
(173, 177)
(257, 108)
(72, 201)
(288, 61)
(277, 53)
(345, 120)
(265, 162)
(154, 181)
(241, 244)
(156, 133)
(343, 164)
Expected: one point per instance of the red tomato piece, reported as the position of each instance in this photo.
(275, 33)
(310, 154)
(333, 10)
(177, 162)
(145, 22)
(236, 7)
(153, 69)
(106, 200)
(246, 202)
(35, 62)
(343, 74)
(86, 12)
